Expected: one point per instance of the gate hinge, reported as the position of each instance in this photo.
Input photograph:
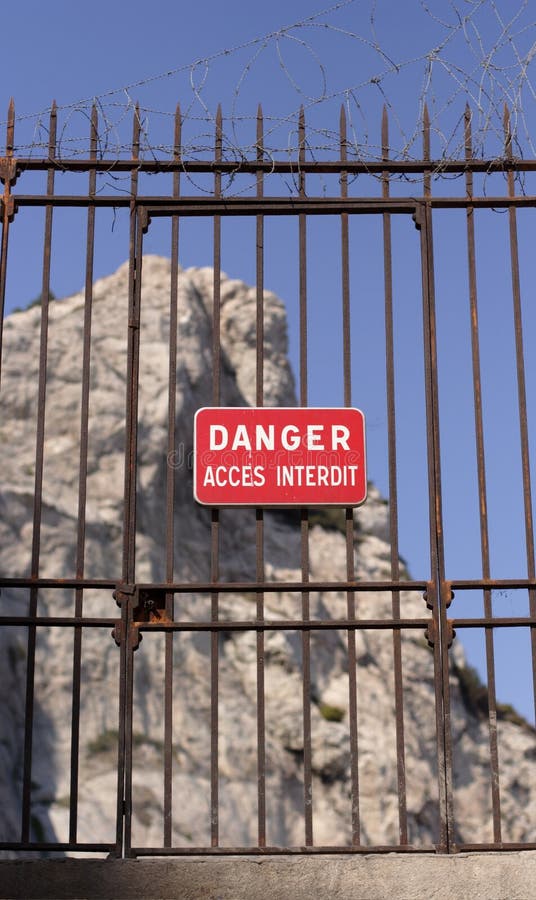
(145, 220)
(418, 216)
(118, 634)
(7, 207)
(430, 594)
(447, 594)
(8, 170)
(123, 592)
(432, 636)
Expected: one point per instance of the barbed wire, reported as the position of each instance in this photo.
(482, 53)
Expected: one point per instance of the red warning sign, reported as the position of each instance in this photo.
(251, 456)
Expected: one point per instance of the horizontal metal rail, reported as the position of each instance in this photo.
(272, 206)
(305, 850)
(278, 166)
(205, 587)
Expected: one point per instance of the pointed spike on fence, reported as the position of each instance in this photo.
(385, 132)
(467, 116)
(136, 131)
(468, 132)
(301, 132)
(94, 121)
(52, 127)
(426, 131)
(507, 130)
(10, 134)
(178, 131)
(219, 131)
(343, 141)
(94, 129)
(260, 127)
(343, 131)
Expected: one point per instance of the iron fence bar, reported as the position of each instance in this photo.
(304, 513)
(495, 622)
(215, 514)
(124, 798)
(349, 513)
(522, 396)
(61, 621)
(123, 696)
(503, 847)
(283, 166)
(82, 488)
(7, 176)
(291, 625)
(259, 513)
(59, 583)
(440, 646)
(192, 587)
(331, 850)
(273, 206)
(60, 846)
(268, 625)
(290, 586)
(493, 583)
(170, 496)
(482, 490)
(393, 492)
(38, 489)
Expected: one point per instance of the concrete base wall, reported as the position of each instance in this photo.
(477, 876)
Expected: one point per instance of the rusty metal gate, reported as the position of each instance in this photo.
(156, 609)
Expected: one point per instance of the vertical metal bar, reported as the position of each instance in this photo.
(170, 497)
(215, 523)
(349, 513)
(133, 349)
(6, 219)
(393, 494)
(132, 443)
(441, 663)
(306, 635)
(521, 392)
(129, 521)
(38, 486)
(82, 485)
(482, 491)
(124, 652)
(259, 514)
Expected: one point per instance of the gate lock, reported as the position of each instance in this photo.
(149, 605)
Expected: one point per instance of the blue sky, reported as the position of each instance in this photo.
(361, 54)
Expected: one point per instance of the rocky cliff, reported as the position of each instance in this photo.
(331, 795)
